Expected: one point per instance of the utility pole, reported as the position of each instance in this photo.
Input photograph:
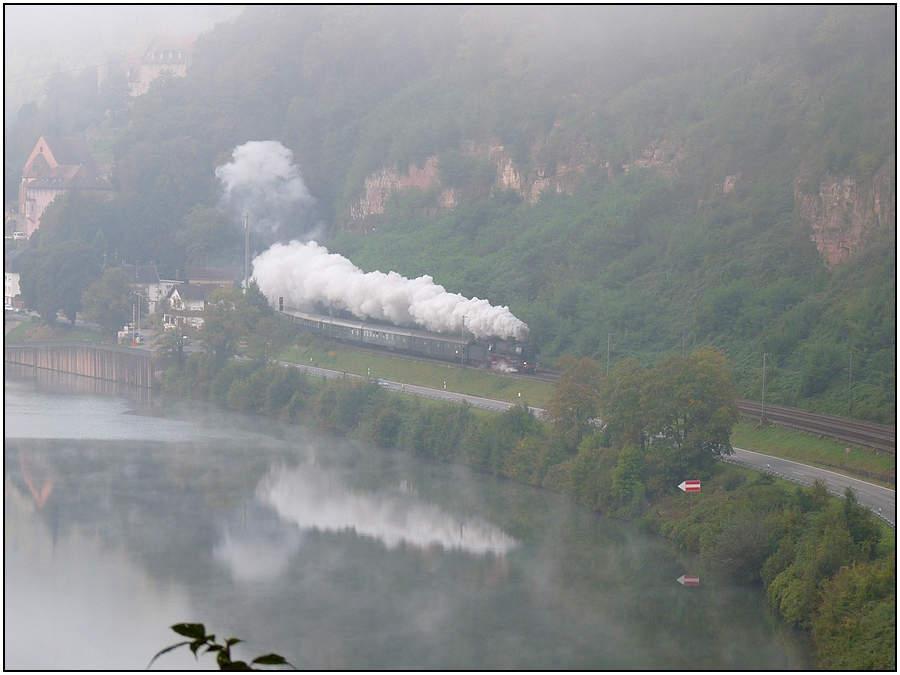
(462, 349)
(246, 252)
(608, 336)
(849, 381)
(762, 412)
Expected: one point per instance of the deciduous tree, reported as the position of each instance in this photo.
(576, 399)
(54, 278)
(109, 301)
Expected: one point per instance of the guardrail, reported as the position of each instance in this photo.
(793, 479)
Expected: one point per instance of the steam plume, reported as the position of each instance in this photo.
(307, 273)
(263, 180)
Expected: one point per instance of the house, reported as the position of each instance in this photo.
(165, 54)
(151, 287)
(186, 304)
(11, 290)
(223, 277)
(55, 166)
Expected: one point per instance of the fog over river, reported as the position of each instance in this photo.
(126, 513)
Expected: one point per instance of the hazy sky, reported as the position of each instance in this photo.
(74, 36)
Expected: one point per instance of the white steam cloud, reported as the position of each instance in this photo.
(263, 180)
(307, 273)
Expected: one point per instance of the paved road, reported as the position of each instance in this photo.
(882, 501)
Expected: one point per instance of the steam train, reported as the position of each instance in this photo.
(502, 355)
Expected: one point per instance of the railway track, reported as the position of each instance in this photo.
(876, 436)
(865, 434)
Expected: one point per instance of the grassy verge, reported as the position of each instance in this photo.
(860, 462)
(33, 331)
(471, 381)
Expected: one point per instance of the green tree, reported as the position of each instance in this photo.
(229, 317)
(621, 407)
(691, 409)
(210, 236)
(54, 278)
(109, 302)
(576, 399)
(171, 345)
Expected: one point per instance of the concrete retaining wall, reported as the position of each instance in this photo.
(103, 362)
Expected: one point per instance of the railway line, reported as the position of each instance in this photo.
(876, 436)
(866, 434)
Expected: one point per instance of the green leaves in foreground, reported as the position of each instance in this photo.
(199, 638)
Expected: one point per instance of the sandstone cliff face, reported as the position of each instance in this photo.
(379, 186)
(844, 213)
(662, 157)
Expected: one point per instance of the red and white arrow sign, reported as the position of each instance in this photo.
(689, 580)
(690, 486)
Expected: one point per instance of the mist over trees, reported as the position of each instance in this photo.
(679, 145)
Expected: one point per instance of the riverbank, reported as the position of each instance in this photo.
(826, 564)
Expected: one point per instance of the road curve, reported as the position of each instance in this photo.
(881, 501)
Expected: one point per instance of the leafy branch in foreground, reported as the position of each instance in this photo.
(197, 631)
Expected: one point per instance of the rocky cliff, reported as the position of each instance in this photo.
(844, 212)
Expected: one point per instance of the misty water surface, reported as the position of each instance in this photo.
(124, 515)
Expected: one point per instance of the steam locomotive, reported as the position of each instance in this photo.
(502, 355)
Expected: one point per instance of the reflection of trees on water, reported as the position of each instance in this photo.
(368, 563)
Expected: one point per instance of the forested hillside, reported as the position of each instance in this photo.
(647, 179)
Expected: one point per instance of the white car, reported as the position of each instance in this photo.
(19, 236)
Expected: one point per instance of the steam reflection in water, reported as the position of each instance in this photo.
(314, 499)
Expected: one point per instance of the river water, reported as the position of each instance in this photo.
(125, 514)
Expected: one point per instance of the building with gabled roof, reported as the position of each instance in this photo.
(55, 166)
(165, 54)
(224, 277)
(186, 305)
(146, 279)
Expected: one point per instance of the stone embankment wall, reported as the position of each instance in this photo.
(113, 364)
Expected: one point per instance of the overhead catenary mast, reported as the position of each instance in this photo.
(246, 252)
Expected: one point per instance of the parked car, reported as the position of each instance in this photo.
(19, 236)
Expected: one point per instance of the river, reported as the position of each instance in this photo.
(126, 513)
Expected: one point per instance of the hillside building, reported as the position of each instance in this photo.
(166, 54)
(55, 166)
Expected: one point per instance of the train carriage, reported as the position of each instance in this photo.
(456, 349)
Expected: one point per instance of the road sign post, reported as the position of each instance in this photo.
(691, 486)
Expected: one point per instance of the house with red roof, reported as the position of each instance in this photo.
(55, 166)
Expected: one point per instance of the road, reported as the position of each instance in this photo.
(881, 501)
